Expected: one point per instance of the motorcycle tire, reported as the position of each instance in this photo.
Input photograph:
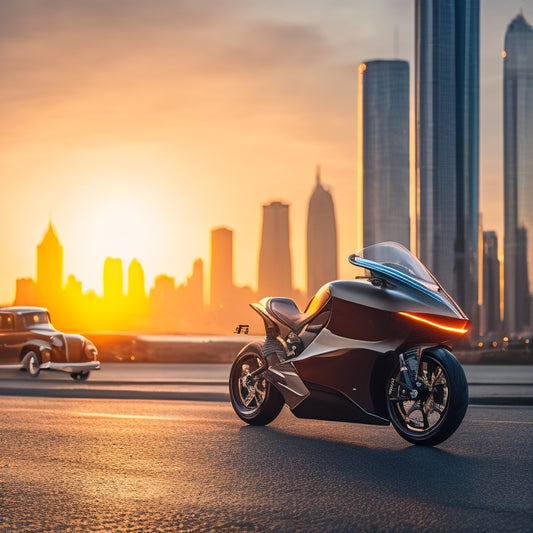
(440, 402)
(255, 400)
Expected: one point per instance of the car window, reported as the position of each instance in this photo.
(7, 321)
(36, 319)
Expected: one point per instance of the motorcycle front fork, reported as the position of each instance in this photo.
(406, 375)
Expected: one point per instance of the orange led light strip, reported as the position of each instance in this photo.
(462, 331)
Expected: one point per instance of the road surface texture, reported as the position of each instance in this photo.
(488, 385)
(99, 465)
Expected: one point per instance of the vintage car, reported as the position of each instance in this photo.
(28, 341)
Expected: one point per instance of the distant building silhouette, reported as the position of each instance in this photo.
(190, 298)
(491, 284)
(195, 283)
(49, 268)
(163, 305)
(221, 268)
(321, 239)
(136, 284)
(275, 267)
(168, 309)
(447, 144)
(383, 168)
(25, 292)
(73, 287)
(113, 279)
(518, 174)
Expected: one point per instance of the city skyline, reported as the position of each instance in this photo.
(123, 143)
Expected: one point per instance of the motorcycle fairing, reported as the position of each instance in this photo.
(348, 372)
(285, 378)
(324, 403)
(327, 344)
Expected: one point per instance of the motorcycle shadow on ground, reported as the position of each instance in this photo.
(372, 465)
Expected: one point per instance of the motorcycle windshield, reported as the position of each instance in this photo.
(387, 256)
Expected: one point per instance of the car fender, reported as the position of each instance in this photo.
(38, 346)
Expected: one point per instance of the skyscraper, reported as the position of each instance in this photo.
(113, 279)
(518, 173)
(49, 268)
(275, 269)
(195, 284)
(447, 144)
(136, 285)
(491, 284)
(383, 167)
(321, 239)
(221, 267)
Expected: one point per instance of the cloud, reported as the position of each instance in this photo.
(91, 69)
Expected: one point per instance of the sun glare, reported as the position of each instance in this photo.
(121, 226)
(122, 220)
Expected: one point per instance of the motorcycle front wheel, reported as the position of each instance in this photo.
(254, 399)
(430, 411)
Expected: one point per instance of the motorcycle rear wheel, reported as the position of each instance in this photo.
(253, 398)
(439, 404)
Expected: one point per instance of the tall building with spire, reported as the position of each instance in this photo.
(518, 174)
(383, 155)
(447, 144)
(275, 267)
(321, 238)
(49, 268)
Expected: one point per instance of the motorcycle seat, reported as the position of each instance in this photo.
(287, 312)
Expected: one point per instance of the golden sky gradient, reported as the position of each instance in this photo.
(137, 126)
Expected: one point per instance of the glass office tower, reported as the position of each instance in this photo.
(447, 144)
(490, 322)
(275, 265)
(518, 173)
(383, 170)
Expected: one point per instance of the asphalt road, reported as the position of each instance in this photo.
(488, 385)
(98, 465)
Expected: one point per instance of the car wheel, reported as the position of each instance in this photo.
(32, 364)
(80, 376)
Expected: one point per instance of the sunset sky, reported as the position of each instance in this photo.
(137, 126)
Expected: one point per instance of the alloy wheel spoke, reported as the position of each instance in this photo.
(250, 396)
(412, 409)
(425, 419)
(436, 376)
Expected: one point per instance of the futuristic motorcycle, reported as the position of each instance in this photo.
(371, 350)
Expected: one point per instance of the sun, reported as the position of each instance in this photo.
(121, 220)
(124, 225)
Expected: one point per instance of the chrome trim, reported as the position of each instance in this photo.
(72, 367)
(12, 367)
(293, 390)
(277, 372)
